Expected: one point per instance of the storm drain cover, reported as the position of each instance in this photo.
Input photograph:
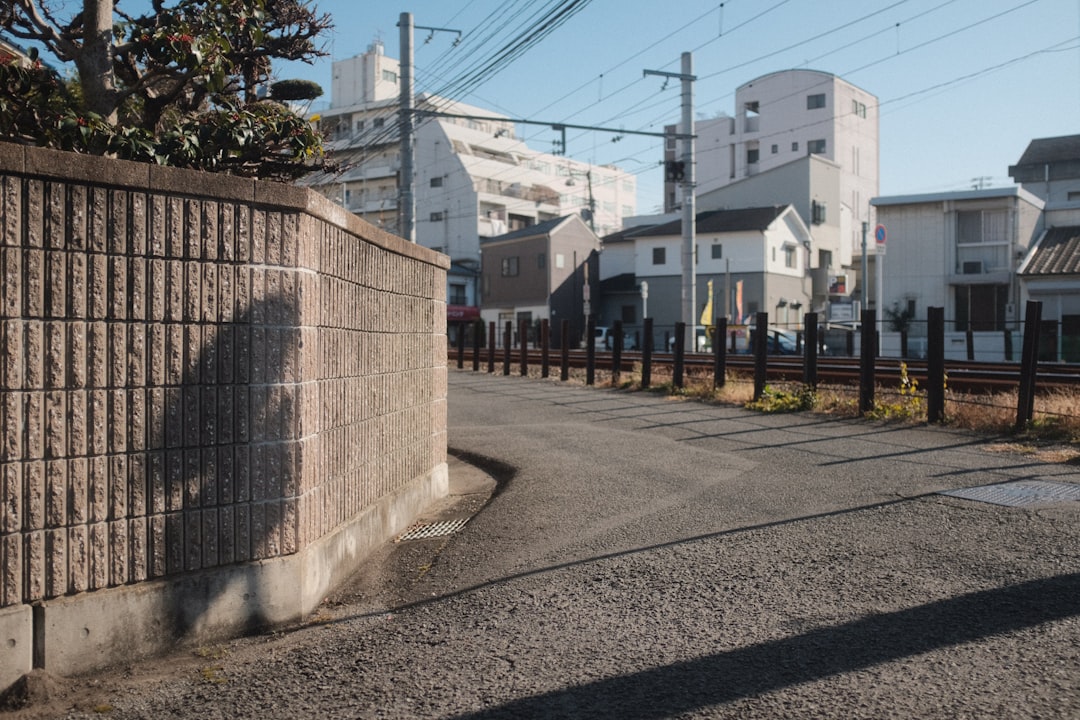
(423, 531)
(1022, 493)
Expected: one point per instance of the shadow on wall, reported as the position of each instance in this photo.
(225, 465)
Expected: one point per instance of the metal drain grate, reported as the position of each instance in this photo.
(423, 531)
(1022, 493)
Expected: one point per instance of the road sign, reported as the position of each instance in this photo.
(879, 234)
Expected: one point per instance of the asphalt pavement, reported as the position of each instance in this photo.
(630, 555)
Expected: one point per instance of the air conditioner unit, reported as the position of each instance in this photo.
(972, 267)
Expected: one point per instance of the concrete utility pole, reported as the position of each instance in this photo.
(689, 274)
(406, 198)
(406, 194)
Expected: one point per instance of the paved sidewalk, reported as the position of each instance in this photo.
(646, 557)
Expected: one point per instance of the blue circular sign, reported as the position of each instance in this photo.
(879, 234)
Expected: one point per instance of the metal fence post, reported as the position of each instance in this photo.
(935, 364)
(646, 352)
(590, 351)
(545, 348)
(616, 353)
(811, 349)
(867, 357)
(564, 350)
(680, 341)
(719, 352)
(1029, 364)
(761, 352)
(508, 340)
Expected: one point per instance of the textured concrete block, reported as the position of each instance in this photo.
(11, 355)
(158, 548)
(78, 503)
(192, 540)
(156, 289)
(97, 411)
(78, 269)
(210, 348)
(174, 480)
(156, 354)
(56, 420)
(156, 417)
(192, 229)
(12, 405)
(98, 555)
(192, 479)
(78, 550)
(55, 283)
(34, 495)
(56, 562)
(137, 484)
(138, 278)
(118, 487)
(117, 359)
(119, 569)
(156, 484)
(137, 418)
(139, 547)
(98, 488)
(34, 564)
(34, 342)
(136, 355)
(97, 287)
(174, 227)
(11, 264)
(118, 421)
(174, 354)
(192, 292)
(11, 497)
(97, 354)
(118, 288)
(174, 417)
(174, 290)
(243, 533)
(75, 361)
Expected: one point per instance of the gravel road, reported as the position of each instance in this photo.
(645, 557)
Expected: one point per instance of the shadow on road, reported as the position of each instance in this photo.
(746, 672)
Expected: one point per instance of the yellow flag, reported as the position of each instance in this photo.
(706, 314)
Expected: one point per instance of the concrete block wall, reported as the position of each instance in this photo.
(200, 372)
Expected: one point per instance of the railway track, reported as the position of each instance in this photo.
(963, 376)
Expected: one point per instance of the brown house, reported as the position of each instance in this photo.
(546, 271)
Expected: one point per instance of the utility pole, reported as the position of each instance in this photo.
(406, 196)
(689, 274)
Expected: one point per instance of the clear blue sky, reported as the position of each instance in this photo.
(964, 85)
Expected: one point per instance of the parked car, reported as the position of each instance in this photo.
(604, 339)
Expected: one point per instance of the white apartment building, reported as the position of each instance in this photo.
(473, 177)
(782, 117)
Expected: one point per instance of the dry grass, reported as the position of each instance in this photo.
(1054, 433)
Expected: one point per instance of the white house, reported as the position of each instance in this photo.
(960, 251)
(755, 258)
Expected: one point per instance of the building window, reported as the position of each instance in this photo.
(457, 294)
(816, 147)
(436, 217)
(436, 181)
(775, 149)
(389, 76)
(717, 251)
(982, 241)
(795, 147)
(510, 267)
(378, 122)
(541, 261)
(752, 156)
(659, 256)
(560, 261)
(789, 256)
(858, 108)
(815, 102)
